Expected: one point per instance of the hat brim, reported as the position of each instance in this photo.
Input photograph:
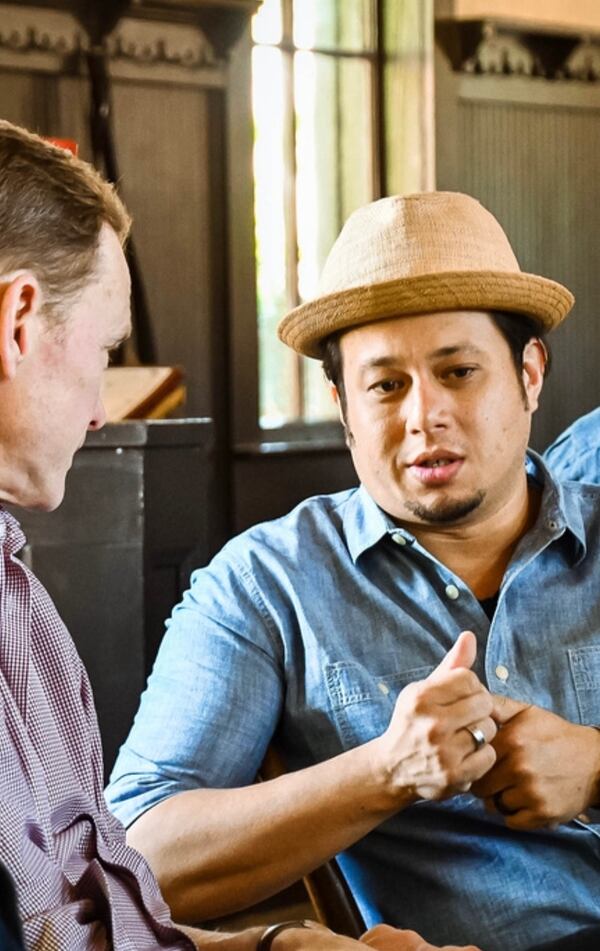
(305, 327)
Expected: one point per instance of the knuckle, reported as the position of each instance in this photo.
(528, 777)
(434, 732)
(542, 809)
(417, 690)
(407, 693)
(471, 681)
(456, 777)
(422, 703)
(491, 729)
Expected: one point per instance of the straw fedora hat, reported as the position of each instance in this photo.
(420, 254)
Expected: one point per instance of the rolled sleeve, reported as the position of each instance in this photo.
(212, 701)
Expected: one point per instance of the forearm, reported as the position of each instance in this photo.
(217, 850)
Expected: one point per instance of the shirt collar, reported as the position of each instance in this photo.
(11, 534)
(560, 510)
(365, 523)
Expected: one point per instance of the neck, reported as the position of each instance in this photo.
(480, 552)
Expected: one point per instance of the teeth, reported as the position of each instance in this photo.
(434, 464)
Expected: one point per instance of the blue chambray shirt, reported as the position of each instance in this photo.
(576, 452)
(307, 629)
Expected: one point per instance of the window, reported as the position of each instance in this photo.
(337, 87)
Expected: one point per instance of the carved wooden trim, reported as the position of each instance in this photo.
(143, 44)
(29, 31)
(53, 41)
(495, 46)
(584, 62)
(502, 53)
(221, 21)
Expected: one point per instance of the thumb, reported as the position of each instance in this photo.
(505, 708)
(461, 654)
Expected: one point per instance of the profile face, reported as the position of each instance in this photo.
(58, 384)
(437, 422)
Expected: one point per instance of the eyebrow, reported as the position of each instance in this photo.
(466, 348)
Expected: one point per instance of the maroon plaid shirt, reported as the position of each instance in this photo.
(78, 884)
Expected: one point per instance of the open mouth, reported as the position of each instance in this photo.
(433, 469)
(436, 463)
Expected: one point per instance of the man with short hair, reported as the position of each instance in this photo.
(64, 304)
(335, 632)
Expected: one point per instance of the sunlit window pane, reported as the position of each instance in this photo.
(314, 157)
(334, 176)
(277, 362)
(331, 24)
(333, 154)
(267, 24)
(408, 78)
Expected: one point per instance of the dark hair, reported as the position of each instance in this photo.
(52, 208)
(517, 330)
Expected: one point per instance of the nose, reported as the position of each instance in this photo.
(425, 406)
(98, 417)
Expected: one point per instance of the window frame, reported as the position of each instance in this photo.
(247, 433)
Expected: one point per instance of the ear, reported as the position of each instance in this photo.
(535, 357)
(20, 299)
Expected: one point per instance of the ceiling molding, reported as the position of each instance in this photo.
(141, 31)
(48, 40)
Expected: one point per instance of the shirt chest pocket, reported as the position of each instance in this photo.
(585, 670)
(362, 702)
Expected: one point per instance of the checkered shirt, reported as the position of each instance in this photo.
(79, 885)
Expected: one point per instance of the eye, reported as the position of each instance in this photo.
(386, 386)
(460, 373)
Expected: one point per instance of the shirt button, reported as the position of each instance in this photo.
(398, 538)
(501, 672)
(552, 525)
(452, 592)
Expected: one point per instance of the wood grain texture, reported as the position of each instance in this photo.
(535, 163)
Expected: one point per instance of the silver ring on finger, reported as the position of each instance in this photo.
(478, 736)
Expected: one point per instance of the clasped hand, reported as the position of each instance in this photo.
(427, 751)
(546, 769)
(536, 768)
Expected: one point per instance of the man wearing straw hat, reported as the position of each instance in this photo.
(423, 650)
(65, 869)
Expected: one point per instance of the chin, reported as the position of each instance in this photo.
(446, 511)
(48, 499)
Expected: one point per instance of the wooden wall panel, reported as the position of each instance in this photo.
(165, 118)
(29, 99)
(162, 140)
(529, 149)
(269, 485)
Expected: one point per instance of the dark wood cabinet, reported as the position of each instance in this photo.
(117, 555)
